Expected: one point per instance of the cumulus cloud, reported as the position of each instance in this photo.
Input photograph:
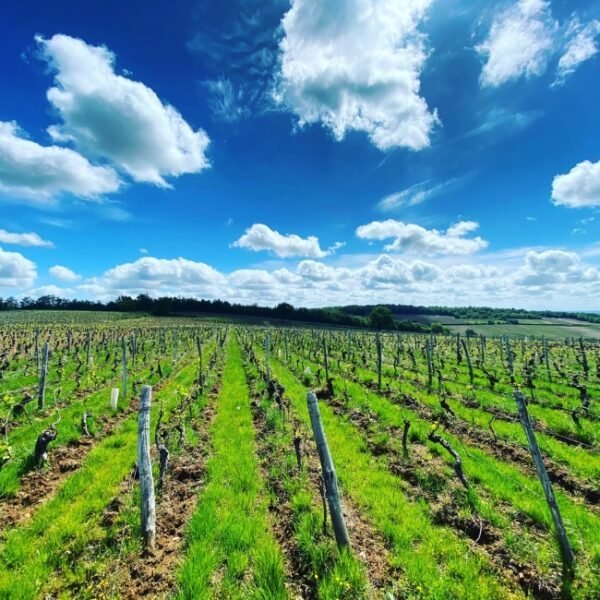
(111, 116)
(579, 188)
(261, 237)
(412, 238)
(519, 43)
(535, 278)
(552, 267)
(581, 46)
(39, 173)
(355, 66)
(63, 273)
(157, 275)
(24, 239)
(16, 270)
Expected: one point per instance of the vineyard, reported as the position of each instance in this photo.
(450, 467)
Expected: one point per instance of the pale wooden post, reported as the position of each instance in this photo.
(114, 398)
(329, 476)
(43, 376)
(565, 546)
(145, 470)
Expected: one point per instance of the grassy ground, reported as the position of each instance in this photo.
(231, 552)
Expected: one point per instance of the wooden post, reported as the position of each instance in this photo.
(329, 476)
(43, 376)
(87, 349)
(428, 352)
(267, 355)
(509, 357)
(379, 359)
(565, 547)
(37, 351)
(468, 356)
(145, 470)
(200, 375)
(124, 358)
(546, 359)
(325, 360)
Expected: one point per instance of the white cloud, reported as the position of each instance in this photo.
(355, 66)
(261, 237)
(24, 239)
(50, 290)
(416, 194)
(554, 267)
(161, 276)
(226, 101)
(110, 116)
(39, 173)
(412, 238)
(579, 188)
(519, 44)
(550, 278)
(63, 273)
(580, 47)
(16, 270)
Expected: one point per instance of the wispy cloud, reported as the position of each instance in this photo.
(419, 193)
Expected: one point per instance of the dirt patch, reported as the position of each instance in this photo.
(38, 486)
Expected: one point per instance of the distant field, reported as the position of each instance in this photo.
(551, 328)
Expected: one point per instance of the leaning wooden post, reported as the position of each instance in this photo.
(329, 476)
(325, 360)
(566, 550)
(43, 376)
(124, 358)
(145, 470)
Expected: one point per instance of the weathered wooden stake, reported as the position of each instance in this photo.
(468, 356)
(565, 546)
(267, 355)
(43, 376)
(331, 485)
(87, 349)
(379, 360)
(200, 374)
(124, 359)
(546, 359)
(325, 360)
(145, 470)
(428, 352)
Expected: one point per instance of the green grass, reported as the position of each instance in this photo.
(434, 561)
(231, 552)
(331, 575)
(64, 526)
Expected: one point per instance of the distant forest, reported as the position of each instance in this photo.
(386, 316)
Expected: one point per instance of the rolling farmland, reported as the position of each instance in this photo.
(439, 492)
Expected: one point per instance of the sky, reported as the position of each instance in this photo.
(319, 153)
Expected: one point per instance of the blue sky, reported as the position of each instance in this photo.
(357, 151)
